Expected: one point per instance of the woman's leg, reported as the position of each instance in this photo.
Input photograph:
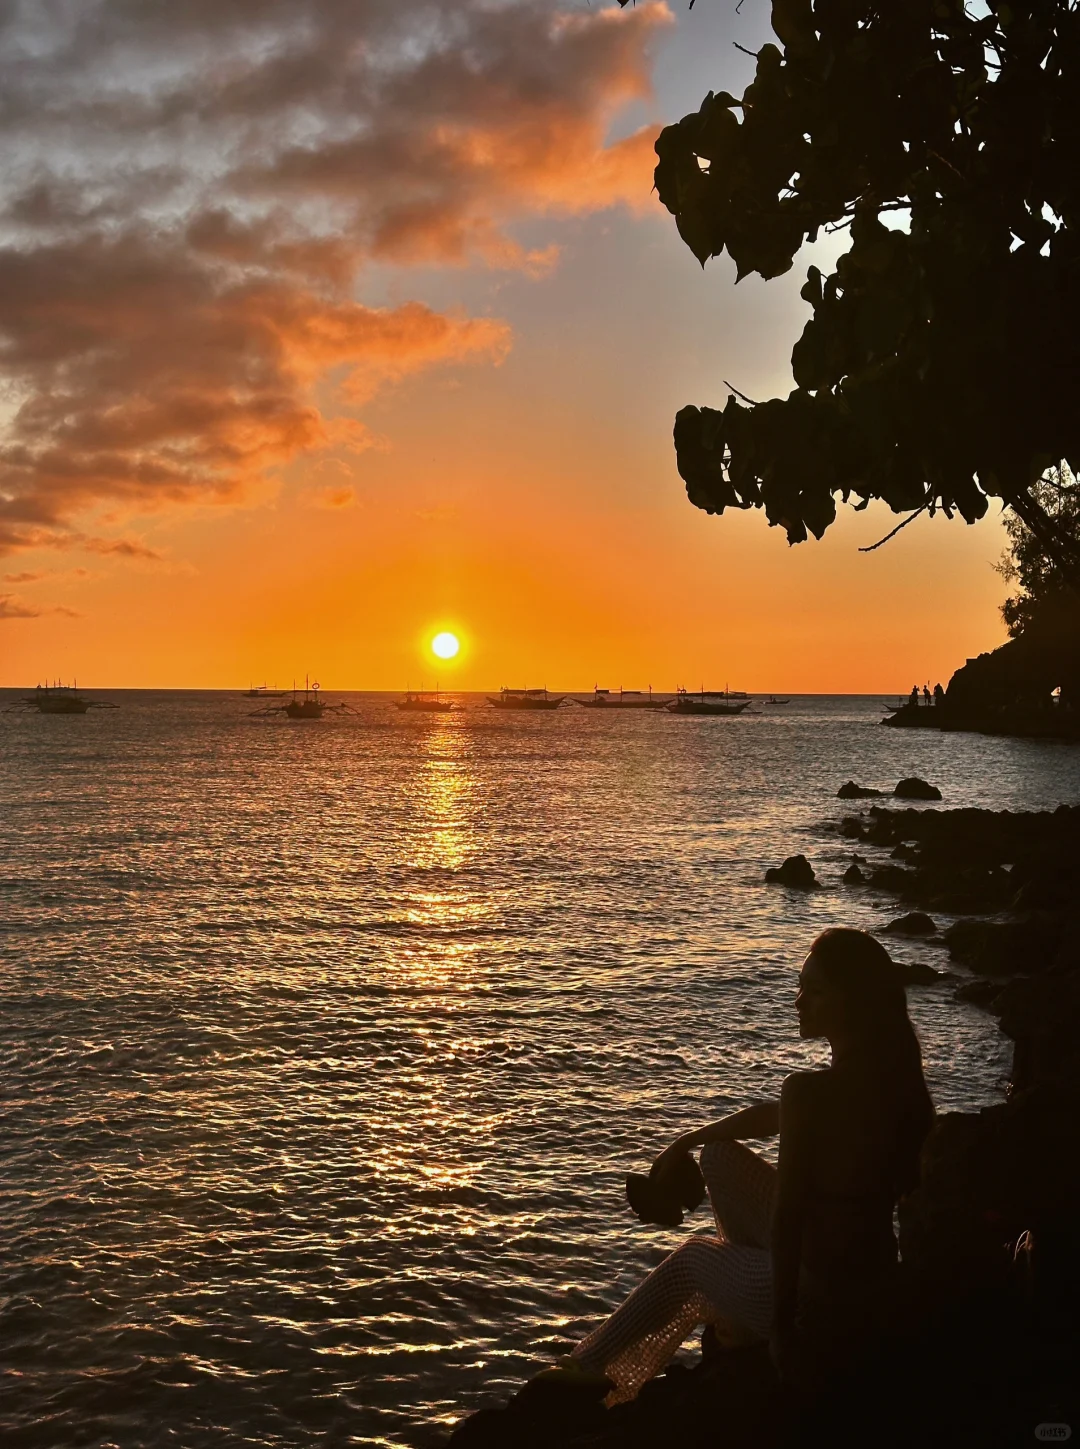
(742, 1190)
(701, 1281)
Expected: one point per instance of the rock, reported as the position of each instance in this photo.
(988, 1177)
(1049, 886)
(979, 992)
(913, 788)
(918, 973)
(1042, 1016)
(796, 872)
(735, 1387)
(1004, 948)
(851, 791)
(540, 1415)
(892, 878)
(915, 923)
(962, 890)
(852, 828)
(853, 875)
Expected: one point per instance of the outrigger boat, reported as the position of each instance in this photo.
(525, 699)
(309, 707)
(60, 699)
(624, 699)
(261, 691)
(425, 701)
(707, 701)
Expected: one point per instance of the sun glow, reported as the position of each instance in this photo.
(445, 646)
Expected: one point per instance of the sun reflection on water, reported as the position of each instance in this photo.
(444, 796)
(446, 904)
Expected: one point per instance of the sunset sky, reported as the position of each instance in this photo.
(328, 324)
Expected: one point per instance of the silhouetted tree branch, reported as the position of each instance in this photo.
(941, 365)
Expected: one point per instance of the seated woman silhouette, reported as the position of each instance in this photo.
(805, 1253)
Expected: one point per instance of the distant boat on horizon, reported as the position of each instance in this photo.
(525, 699)
(425, 701)
(624, 699)
(309, 707)
(261, 691)
(709, 701)
(772, 699)
(57, 699)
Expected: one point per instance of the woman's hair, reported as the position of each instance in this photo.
(868, 983)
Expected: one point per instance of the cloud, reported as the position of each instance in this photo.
(12, 607)
(118, 547)
(507, 118)
(331, 497)
(191, 196)
(32, 576)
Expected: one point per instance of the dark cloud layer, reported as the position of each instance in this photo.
(193, 191)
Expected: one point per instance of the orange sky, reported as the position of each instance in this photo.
(413, 368)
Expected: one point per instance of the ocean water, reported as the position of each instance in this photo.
(325, 1047)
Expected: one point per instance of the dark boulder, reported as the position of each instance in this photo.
(796, 872)
(852, 828)
(915, 923)
(979, 992)
(736, 1387)
(853, 875)
(946, 885)
(1049, 886)
(851, 791)
(913, 788)
(1041, 1014)
(1004, 948)
(540, 1415)
(892, 878)
(918, 973)
(986, 1179)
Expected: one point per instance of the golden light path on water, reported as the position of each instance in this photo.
(326, 1047)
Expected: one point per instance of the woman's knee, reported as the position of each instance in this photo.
(720, 1158)
(692, 1262)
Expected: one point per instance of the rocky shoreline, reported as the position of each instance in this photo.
(987, 1348)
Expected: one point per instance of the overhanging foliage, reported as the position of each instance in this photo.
(941, 366)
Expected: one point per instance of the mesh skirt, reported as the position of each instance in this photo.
(724, 1279)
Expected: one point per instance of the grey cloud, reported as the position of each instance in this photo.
(192, 192)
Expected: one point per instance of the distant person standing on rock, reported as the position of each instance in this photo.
(939, 695)
(804, 1254)
(926, 693)
(913, 698)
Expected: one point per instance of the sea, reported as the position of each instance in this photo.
(325, 1047)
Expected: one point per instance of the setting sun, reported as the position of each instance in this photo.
(445, 646)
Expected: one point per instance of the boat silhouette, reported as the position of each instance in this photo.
(57, 698)
(624, 699)
(525, 699)
(308, 706)
(708, 701)
(423, 701)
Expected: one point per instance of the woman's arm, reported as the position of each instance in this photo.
(760, 1120)
(793, 1187)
